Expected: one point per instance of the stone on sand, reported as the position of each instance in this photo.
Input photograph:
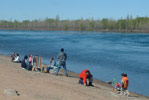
(11, 92)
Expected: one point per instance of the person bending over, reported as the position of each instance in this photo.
(84, 76)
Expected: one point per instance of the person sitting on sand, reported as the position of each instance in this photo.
(52, 65)
(12, 56)
(124, 84)
(30, 60)
(24, 63)
(16, 60)
(34, 63)
(117, 87)
(84, 75)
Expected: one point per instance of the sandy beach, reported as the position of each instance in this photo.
(47, 86)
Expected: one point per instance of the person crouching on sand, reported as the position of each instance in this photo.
(124, 84)
(84, 75)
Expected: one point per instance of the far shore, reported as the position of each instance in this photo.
(100, 30)
(47, 86)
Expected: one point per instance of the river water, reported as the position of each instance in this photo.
(106, 55)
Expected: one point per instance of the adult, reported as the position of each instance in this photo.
(30, 60)
(17, 59)
(34, 63)
(30, 63)
(12, 56)
(24, 63)
(84, 75)
(52, 65)
(62, 61)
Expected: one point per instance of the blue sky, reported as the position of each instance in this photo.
(72, 9)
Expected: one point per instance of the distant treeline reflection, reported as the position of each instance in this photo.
(129, 24)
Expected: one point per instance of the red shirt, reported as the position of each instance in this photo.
(84, 76)
(126, 82)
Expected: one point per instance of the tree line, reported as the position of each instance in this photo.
(129, 24)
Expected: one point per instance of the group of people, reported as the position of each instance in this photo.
(122, 87)
(29, 63)
(86, 78)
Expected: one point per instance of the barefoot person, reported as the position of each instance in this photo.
(84, 75)
(62, 61)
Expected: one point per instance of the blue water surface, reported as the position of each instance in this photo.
(106, 55)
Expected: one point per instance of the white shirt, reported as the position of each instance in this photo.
(16, 58)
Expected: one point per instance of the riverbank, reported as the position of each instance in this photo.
(41, 86)
(100, 30)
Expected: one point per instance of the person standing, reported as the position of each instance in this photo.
(62, 61)
(124, 84)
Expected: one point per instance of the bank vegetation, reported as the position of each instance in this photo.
(128, 24)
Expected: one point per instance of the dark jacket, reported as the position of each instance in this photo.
(62, 57)
(24, 64)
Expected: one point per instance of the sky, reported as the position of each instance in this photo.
(72, 9)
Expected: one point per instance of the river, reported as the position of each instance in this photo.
(105, 54)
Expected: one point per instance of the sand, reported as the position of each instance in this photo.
(47, 86)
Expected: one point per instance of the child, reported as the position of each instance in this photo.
(124, 84)
(117, 87)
